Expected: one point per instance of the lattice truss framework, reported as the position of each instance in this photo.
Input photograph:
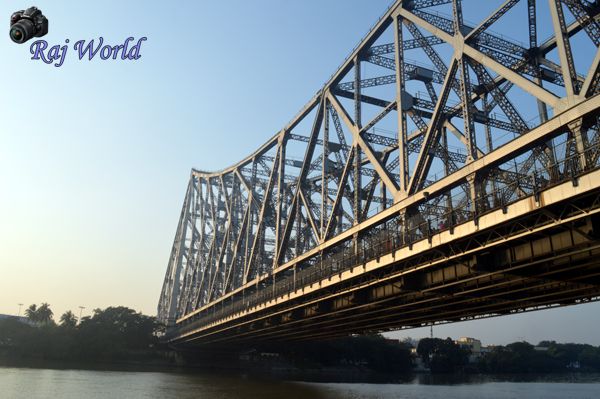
(341, 159)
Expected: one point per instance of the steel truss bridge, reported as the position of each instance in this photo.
(462, 185)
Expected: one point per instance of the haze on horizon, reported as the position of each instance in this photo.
(95, 156)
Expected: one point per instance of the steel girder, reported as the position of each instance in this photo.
(371, 142)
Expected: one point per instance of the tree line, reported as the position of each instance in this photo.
(445, 356)
(122, 334)
(372, 352)
(111, 334)
(547, 356)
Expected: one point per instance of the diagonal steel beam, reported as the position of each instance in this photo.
(339, 195)
(564, 47)
(537, 91)
(365, 147)
(424, 158)
(590, 85)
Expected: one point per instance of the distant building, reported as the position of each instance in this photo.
(7, 341)
(10, 316)
(472, 344)
(22, 319)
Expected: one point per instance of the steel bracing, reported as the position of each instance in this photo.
(465, 184)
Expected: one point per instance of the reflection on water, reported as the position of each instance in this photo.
(452, 379)
(21, 383)
(77, 384)
(493, 390)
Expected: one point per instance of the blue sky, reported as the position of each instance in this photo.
(95, 155)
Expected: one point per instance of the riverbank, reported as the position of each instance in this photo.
(75, 384)
(118, 338)
(338, 375)
(265, 370)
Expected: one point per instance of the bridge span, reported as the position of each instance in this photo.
(462, 185)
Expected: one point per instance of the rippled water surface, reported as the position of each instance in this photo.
(22, 383)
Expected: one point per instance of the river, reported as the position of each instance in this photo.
(24, 383)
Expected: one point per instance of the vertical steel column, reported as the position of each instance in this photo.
(357, 158)
(280, 196)
(325, 170)
(581, 142)
(402, 123)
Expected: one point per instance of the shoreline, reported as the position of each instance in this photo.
(309, 375)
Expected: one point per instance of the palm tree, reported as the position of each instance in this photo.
(45, 314)
(68, 319)
(32, 313)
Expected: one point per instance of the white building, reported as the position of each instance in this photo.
(473, 344)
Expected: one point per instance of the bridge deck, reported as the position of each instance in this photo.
(525, 255)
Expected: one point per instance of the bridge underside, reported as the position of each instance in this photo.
(533, 256)
(462, 185)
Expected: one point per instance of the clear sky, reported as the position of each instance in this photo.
(95, 155)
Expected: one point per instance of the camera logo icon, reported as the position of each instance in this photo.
(26, 24)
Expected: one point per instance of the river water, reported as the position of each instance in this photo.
(23, 383)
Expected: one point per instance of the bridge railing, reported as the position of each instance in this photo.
(398, 233)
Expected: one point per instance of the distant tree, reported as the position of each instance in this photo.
(45, 314)
(408, 342)
(426, 348)
(116, 331)
(442, 355)
(68, 319)
(567, 354)
(520, 347)
(379, 353)
(32, 313)
(590, 357)
(522, 357)
(546, 344)
(371, 351)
